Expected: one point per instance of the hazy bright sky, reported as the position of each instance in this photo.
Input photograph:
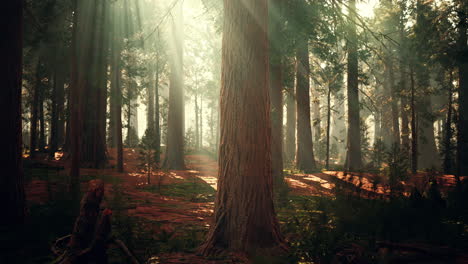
(193, 11)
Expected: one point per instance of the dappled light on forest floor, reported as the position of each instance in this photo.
(179, 200)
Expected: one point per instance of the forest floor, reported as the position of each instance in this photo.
(166, 220)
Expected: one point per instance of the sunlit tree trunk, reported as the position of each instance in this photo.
(175, 121)
(11, 180)
(305, 160)
(353, 156)
(462, 147)
(244, 218)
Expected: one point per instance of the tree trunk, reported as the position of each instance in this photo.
(414, 128)
(405, 112)
(42, 133)
(150, 104)
(93, 150)
(276, 91)
(53, 142)
(316, 118)
(11, 181)
(201, 122)
(448, 130)
(290, 145)
(305, 160)
(197, 125)
(353, 156)
(35, 112)
(175, 121)
(75, 109)
(244, 218)
(327, 158)
(462, 146)
(394, 107)
(156, 117)
(428, 155)
(116, 91)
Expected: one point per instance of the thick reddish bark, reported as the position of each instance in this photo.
(11, 180)
(244, 219)
(305, 160)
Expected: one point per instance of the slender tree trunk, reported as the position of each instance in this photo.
(327, 158)
(353, 156)
(175, 121)
(316, 117)
(116, 91)
(75, 108)
(201, 122)
(405, 112)
(150, 105)
(414, 128)
(305, 160)
(290, 146)
(35, 112)
(53, 142)
(11, 181)
(394, 105)
(156, 117)
(197, 125)
(448, 130)
(462, 146)
(244, 219)
(42, 142)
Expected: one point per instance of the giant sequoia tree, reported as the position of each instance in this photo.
(11, 180)
(244, 217)
(353, 155)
